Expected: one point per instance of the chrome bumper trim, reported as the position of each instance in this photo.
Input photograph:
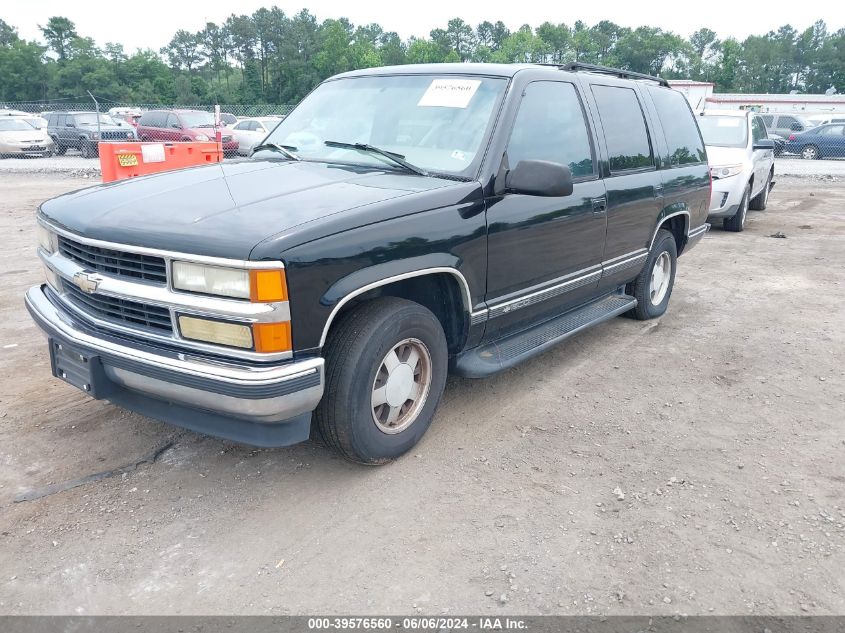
(207, 384)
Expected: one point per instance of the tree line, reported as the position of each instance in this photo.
(272, 57)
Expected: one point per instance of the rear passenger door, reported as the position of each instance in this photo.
(634, 188)
(544, 253)
(763, 158)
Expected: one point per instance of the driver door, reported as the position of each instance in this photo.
(544, 253)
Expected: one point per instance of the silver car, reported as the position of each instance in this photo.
(741, 158)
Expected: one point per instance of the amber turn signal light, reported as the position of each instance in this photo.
(267, 285)
(272, 337)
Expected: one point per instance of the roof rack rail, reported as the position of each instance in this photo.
(607, 70)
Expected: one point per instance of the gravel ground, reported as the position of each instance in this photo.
(691, 464)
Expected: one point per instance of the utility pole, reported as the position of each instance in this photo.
(97, 108)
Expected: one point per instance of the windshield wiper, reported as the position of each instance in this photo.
(287, 150)
(396, 158)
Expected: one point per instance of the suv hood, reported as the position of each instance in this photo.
(225, 210)
(717, 156)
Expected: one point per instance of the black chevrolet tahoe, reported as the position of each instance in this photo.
(401, 223)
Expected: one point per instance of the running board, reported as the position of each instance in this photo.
(496, 356)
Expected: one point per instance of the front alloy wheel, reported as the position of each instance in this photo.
(386, 365)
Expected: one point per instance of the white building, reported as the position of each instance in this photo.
(806, 105)
(696, 92)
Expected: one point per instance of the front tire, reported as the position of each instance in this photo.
(386, 365)
(60, 149)
(653, 287)
(737, 222)
(89, 150)
(759, 202)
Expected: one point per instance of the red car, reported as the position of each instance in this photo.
(183, 125)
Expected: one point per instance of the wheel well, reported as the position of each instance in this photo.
(439, 292)
(677, 226)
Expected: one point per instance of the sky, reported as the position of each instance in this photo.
(151, 23)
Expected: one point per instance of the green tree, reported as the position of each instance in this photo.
(59, 33)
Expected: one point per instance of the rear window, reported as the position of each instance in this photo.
(679, 127)
(625, 131)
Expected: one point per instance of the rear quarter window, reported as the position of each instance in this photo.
(625, 131)
(679, 127)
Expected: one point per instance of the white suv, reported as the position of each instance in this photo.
(741, 158)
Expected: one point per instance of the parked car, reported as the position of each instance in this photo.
(228, 119)
(786, 124)
(741, 158)
(779, 142)
(826, 141)
(39, 123)
(249, 132)
(19, 138)
(826, 119)
(182, 125)
(400, 223)
(81, 130)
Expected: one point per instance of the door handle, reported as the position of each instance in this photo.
(599, 205)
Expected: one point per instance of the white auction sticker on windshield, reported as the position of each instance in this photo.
(449, 93)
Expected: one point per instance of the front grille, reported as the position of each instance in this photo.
(107, 136)
(113, 262)
(131, 313)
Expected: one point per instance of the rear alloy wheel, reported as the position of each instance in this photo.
(737, 222)
(811, 152)
(386, 365)
(653, 287)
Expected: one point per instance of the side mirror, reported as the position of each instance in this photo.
(764, 143)
(540, 178)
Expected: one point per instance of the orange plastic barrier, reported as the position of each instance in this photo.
(127, 160)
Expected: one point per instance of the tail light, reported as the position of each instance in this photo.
(791, 137)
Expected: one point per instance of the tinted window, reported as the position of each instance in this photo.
(789, 122)
(625, 130)
(62, 120)
(243, 125)
(758, 130)
(679, 127)
(172, 121)
(768, 119)
(550, 126)
(51, 119)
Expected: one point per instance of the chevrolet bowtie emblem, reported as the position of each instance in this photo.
(87, 282)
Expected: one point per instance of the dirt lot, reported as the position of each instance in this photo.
(722, 424)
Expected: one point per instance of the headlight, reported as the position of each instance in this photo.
(724, 171)
(201, 137)
(46, 239)
(211, 280)
(263, 285)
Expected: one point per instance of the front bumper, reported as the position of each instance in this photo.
(260, 405)
(727, 194)
(30, 149)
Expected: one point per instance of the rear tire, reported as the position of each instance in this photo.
(759, 202)
(737, 222)
(653, 287)
(810, 152)
(387, 349)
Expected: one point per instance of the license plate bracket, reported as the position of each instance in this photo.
(79, 368)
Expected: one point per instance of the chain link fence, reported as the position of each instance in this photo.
(75, 127)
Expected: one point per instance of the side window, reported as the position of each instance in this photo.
(172, 121)
(768, 119)
(625, 131)
(241, 126)
(790, 123)
(62, 120)
(679, 127)
(51, 119)
(758, 130)
(550, 125)
(833, 130)
(253, 125)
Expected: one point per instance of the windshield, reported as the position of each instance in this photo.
(90, 118)
(724, 131)
(197, 119)
(15, 125)
(37, 122)
(436, 123)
